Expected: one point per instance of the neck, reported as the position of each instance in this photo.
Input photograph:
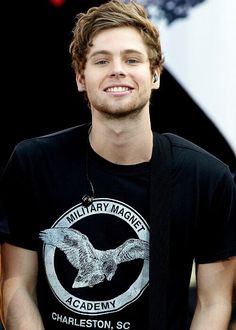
(122, 142)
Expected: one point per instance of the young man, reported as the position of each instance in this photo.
(106, 218)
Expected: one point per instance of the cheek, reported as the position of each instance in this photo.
(90, 85)
(142, 75)
(92, 81)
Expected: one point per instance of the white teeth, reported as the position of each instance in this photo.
(117, 89)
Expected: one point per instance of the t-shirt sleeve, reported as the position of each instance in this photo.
(16, 200)
(216, 230)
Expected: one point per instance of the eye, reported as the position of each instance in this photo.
(133, 61)
(101, 62)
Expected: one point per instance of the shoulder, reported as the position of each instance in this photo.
(40, 151)
(191, 161)
(183, 149)
(54, 142)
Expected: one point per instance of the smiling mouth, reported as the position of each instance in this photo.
(118, 89)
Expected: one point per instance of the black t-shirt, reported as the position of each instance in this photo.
(93, 262)
(3, 221)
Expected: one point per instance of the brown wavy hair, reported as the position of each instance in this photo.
(112, 14)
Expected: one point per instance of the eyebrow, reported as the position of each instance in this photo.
(126, 51)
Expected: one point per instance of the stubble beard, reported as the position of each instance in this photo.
(129, 110)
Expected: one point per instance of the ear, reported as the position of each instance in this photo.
(80, 82)
(156, 79)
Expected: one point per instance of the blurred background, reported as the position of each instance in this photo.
(197, 97)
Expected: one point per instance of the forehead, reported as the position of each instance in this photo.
(118, 40)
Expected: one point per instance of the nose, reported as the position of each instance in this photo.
(117, 69)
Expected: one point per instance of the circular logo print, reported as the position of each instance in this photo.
(92, 264)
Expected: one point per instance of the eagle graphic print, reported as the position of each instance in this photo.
(85, 242)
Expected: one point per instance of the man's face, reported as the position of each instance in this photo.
(117, 76)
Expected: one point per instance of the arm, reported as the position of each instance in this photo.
(214, 295)
(234, 285)
(19, 280)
